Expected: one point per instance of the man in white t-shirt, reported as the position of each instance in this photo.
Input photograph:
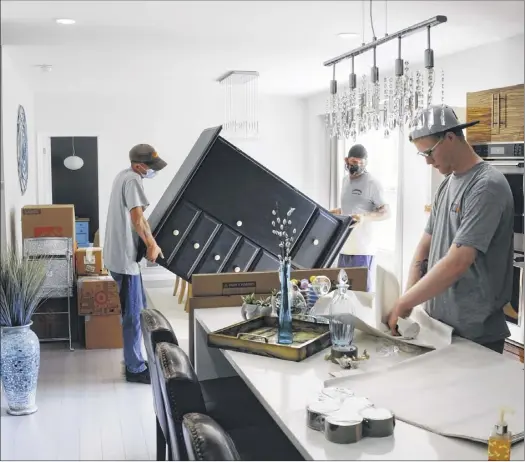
(362, 198)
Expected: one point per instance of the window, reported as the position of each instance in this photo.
(383, 156)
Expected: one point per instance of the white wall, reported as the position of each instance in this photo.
(16, 91)
(171, 121)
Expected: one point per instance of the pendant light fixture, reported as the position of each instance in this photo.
(73, 162)
(361, 105)
(241, 103)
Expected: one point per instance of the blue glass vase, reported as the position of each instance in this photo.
(285, 334)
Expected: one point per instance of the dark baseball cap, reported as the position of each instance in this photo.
(358, 151)
(146, 154)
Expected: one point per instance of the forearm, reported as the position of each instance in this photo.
(382, 213)
(443, 275)
(416, 265)
(144, 231)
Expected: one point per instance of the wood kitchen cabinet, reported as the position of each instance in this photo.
(500, 112)
(216, 216)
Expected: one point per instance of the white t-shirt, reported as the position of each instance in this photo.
(360, 195)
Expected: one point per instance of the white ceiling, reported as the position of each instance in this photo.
(123, 45)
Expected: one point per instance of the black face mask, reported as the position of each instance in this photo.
(355, 169)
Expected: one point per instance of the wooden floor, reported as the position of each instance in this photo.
(86, 411)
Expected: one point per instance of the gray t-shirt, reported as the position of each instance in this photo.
(121, 239)
(474, 209)
(360, 195)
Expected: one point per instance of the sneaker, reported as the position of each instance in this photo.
(139, 377)
(124, 370)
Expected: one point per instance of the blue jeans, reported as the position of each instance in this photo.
(132, 302)
(359, 261)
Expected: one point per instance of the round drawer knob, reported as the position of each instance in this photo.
(217, 257)
(236, 269)
(316, 242)
(239, 223)
(176, 232)
(196, 246)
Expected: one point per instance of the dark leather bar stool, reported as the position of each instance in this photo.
(155, 329)
(206, 440)
(256, 438)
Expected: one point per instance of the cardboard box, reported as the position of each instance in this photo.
(103, 332)
(226, 289)
(96, 239)
(48, 221)
(89, 261)
(98, 296)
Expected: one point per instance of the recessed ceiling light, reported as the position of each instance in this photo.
(45, 67)
(65, 21)
(347, 35)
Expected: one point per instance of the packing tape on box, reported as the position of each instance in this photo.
(89, 258)
(81, 280)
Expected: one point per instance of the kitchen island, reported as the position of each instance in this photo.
(284, 388)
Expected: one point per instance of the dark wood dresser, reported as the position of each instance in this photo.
(216, 216)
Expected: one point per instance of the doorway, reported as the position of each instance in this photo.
(77, 187)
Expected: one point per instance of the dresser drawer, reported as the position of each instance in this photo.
(82, 227)
(173, 231)
(81, 238)
(242, 257)
(219, 251)
(194, 246)
(267, 262)
(316, 238)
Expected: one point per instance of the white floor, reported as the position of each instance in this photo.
(86, 411)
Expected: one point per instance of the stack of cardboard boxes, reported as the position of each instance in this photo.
(97, 293)
(98, 300)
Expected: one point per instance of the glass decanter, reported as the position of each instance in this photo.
(342, 310)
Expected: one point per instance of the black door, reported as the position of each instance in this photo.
(77, 187)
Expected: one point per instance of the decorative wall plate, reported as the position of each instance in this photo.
(22, 149)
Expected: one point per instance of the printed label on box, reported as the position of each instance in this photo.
(237, 288)
(49, 231)
(90, 268)
(31, 211)
(89, 258)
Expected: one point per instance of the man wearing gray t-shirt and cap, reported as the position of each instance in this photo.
(362, 198)
(468, 240)
(126, 224)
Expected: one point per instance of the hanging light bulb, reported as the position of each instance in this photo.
(73, 162)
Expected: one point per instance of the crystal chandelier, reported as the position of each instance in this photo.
(367, 105)
(241, 95)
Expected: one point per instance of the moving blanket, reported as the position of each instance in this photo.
(453, 391)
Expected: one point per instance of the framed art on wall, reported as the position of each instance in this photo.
(22, 149)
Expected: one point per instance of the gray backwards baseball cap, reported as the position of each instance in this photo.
(146, 154)
(428, 122)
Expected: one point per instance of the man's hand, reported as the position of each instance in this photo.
(335, 211)
(153, 252)
(399, 311)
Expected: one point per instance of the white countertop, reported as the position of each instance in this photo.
(285, 388)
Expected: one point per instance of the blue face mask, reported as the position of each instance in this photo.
(150, 174)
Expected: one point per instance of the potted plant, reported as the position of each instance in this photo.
(253, 307)
(21, 281)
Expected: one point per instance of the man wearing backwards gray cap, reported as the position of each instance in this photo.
(362, 198)
(468, 240)
(125, 224)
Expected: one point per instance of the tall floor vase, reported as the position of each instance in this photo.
(20, 362)
(285, 333)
